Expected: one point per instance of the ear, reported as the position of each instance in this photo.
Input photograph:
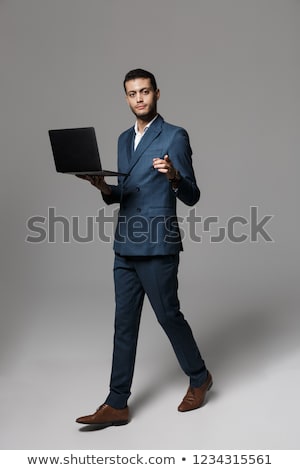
(157, 93)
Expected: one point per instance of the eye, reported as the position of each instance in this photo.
(146, 92)
(131, 94)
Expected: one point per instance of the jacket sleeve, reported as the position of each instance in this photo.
(180, 154)
(114, 197)
(116, 190)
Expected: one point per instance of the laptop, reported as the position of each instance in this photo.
(75, 152)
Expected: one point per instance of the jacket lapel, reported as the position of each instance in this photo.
(153, 131)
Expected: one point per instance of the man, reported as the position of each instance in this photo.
(157, 158)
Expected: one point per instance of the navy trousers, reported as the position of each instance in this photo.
(155, 276)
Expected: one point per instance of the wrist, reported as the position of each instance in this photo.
(105, 189)
(176, 178)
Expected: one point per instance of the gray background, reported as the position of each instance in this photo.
(229, 72)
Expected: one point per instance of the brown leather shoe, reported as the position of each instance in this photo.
(195, 396)
(106, 415)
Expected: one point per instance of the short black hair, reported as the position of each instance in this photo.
(140, 73)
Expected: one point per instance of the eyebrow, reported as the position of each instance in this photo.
(141, 89)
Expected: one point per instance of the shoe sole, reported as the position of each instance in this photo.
(106, 423)
(119, 423)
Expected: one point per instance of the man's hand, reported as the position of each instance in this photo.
(97, 181)
(165, 166)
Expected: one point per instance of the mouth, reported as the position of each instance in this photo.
(140, 107)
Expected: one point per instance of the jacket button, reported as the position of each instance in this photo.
(138, 209)
(137, 189)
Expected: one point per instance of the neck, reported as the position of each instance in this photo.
(142, 122)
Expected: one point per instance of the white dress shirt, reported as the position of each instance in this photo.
(139, 135)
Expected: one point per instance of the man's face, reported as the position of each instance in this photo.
(142, 98)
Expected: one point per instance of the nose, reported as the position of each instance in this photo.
(139, 97)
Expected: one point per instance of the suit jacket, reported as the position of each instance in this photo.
(147, 221)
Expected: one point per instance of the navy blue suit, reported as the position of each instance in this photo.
(147, 245)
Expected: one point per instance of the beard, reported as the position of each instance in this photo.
(145, 115)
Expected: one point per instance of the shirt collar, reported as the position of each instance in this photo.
(146, 127)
